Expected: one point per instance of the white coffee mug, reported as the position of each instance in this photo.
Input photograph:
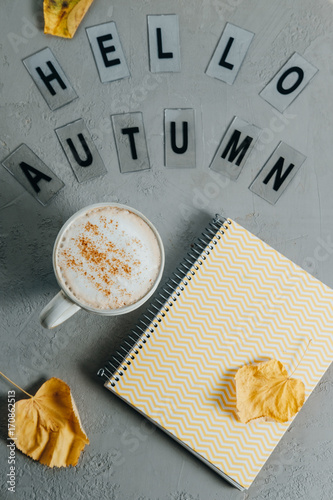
(66, 302)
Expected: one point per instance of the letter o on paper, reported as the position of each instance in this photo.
(281, 80)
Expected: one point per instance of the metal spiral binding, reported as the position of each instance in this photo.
(164, 302)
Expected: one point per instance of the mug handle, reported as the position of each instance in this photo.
(57, 311)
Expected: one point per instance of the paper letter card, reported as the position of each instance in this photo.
(288, 82)
(235, 148)
(50, 78)
(131, 143)
(277, 173)
(229, 53)
(30, 171)
(164, 44)
(81, 151)
(179, 137)
(108, 53)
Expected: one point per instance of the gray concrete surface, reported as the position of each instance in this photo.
(124, 460)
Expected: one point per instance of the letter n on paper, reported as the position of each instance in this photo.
(277, 173)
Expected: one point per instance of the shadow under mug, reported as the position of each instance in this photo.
(65, 304)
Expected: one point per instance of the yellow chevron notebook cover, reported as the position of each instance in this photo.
(240, 302)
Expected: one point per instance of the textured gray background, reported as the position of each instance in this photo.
(125, 459)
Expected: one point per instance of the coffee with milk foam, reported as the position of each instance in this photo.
(108, 258)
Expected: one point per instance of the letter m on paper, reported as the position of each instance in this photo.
(235, 148)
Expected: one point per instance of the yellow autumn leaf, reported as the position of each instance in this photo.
(62, 17)
(265, 390)
(48, 427)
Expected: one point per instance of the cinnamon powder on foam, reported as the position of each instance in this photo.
(102, 267)
(102, 263)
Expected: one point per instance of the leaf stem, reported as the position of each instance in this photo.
(25, 392)
(307, 347)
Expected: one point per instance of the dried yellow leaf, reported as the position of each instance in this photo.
(265, 390)
(62, 17)
(48, 427)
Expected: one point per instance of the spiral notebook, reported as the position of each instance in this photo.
(234, 300)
